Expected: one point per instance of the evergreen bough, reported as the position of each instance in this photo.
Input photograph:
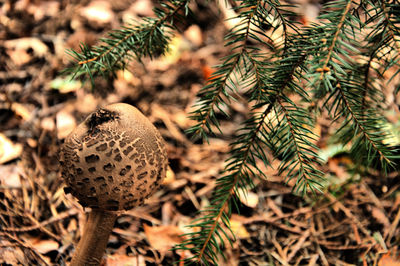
(334, 66)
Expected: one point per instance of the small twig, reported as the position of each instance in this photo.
(298, 245)
(349, 214)
(393, 226)
(40, 225)
(332, 246)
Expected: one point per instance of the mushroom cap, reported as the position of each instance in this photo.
(114, 159)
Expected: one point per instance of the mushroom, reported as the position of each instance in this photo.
(111, 162)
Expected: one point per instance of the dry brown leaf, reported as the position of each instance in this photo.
(22, 111)
(9, 176)
(44, 246)
(12, 256)
(44, 8)
(194, 35)
(38, 47)
(248, 198)
(238, 229)
(19, 56)
(388, 260)
(162, 238)
(121, 259)
(48, 124)
(8, 150)
(99, 12)
(170, 176)
(143, 8)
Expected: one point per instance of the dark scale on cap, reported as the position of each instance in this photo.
(108, 167)
(91, 142)
(128, 150)
(142, 175)
(101, 147)
(100, 117)
(133, 156)
(153, 174)
(122, 143)
(139, 168)
(118, 157)
(92, 158)
(123, 172)
(100, 179)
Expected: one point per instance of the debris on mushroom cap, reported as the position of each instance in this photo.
(114, 159)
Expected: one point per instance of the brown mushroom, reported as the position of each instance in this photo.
(111, 162)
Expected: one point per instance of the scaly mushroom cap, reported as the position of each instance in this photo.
(114, 159)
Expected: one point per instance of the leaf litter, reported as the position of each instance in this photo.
(354, 221)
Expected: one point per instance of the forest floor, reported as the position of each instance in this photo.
(355, 221)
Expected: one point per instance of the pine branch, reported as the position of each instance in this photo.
(365, 129)
(252, 14)
(148, 38)
(393, 30)
(220, 80)
(207, 240)
(384, 36)
(299, 157)
(329, 32)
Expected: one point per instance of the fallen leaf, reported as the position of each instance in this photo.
(170, 176)
(8, 150)
(44, 246)
(12, 256)
(22, 111)
(43, 9)
(194, 35)
(19, 56)
(176, 47)
(248, 198)
(142, 8)
(238, 229)
(388, 260)
(98, 11)
(121, 259)
(38, 47)
(162, 238)
(48, 124)
(9, 176)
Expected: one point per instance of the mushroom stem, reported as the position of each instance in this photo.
(93, 243)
